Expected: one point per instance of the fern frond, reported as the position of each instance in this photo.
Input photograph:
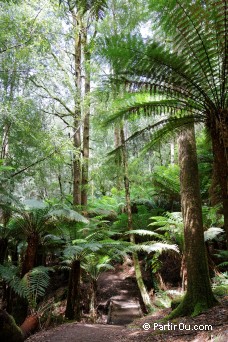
(155, 247)
(143, 232)
(212, 233)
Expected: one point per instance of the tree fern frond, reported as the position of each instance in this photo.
(37, 281)
(68, 214)
(155, 247)
(212, 233)
(143, 232)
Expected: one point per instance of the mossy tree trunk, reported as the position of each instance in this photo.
(199, 294)
(77, 23)
(73, 295)
(9, 331)
(138, 274)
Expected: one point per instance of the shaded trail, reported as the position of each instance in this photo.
(77, 332)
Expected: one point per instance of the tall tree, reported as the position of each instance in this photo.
(199, 294)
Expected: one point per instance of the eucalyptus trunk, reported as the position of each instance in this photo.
(138, 274)
(86, 126)
(199, 296)
(77, 115)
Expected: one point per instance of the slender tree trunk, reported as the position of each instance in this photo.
(199, 294)
(31, 253)
(77, 117)
(73, 295)
(117, 142)
(93, 300)
(86, 127)
(138, 273)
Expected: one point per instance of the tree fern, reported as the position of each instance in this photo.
(189, 73)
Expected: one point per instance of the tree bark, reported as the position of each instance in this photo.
(220, 151)
(31, 252)
(73, 295)
(9, 331)
(77, 115)
(199, 294)
(86, 126)
(93, 300)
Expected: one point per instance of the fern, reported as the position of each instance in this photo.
(155, 247)
(31, 287)
(212, 233)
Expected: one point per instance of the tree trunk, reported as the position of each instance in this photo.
(220, 152)
(73, 295)
(3, 249)
(199, 294)
(30, 324)
(31, 252)
(9, 331)
(85, 164)
(93, 300)
(138, 273)
(77, 117)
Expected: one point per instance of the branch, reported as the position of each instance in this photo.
(59, 116)
(53, 97)
(31, 165)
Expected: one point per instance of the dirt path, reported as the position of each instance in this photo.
(76, 332)
(216, 317)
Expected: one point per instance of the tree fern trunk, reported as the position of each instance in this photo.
(73, 294)
(31, 252)
(199, 294)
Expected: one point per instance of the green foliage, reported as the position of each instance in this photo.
(95, 264)
(33, 215)
(172, 226)
(220, 284)
(223, 255)
(31, 287)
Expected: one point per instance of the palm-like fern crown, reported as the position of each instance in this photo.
(199, 38)
(186, 77)
(183, 78)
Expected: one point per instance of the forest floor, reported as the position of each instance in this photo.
(209, 326)
(217, 317)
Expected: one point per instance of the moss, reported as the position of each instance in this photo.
(9, 331)
(190, 307)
